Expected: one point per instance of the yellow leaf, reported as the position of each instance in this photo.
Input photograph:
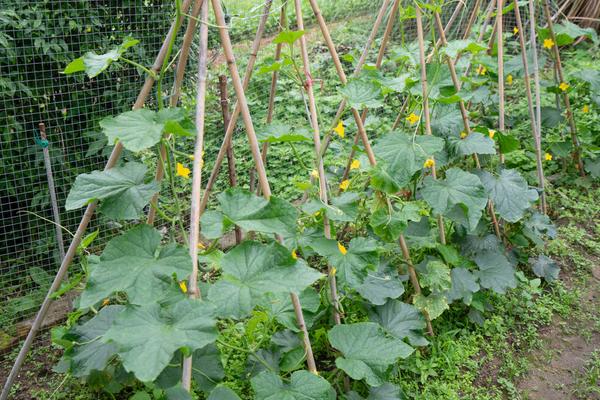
(342, 249)
(183, 286)
(344, 185)
(339, 129)
(548, 43)
(413, 118)
(355, 164)
(183, 171)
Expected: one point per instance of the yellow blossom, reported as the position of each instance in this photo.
(333, 271)
(201, 246)
(339, 129)
(342, 249)
(344, 185)
(548, 43)
(314, 173)
(355, 164)
(183, 286)
(515, 30)
(586, 109)
(463, 135)
(429, 163)
(413, 118)
(294, 255)
(491, 133)
(564, 86)
(105, 302)
(481, 70)
(548, 157)
(183, 171)
(509, 79)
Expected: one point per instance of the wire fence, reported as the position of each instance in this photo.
(38, 39)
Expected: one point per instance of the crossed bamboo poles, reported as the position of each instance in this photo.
(201, 7)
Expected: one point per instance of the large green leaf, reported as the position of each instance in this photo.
(567, 32)
(495, 271)
(388, 223)
(381, 285)
(367, 351)
(545, 267)
(140, 129)
(93, 64)
(435, 304)
(454, 47)
(591, 76)
(460, 189)
(403, 155)
(148, 336)
(303, 386)
(223, 393)
(123, 191)
(538, 226)
(474, 143)
(254, 213)
(387, 391)
(251, 270)
(281, 308)
(434, 275)
(510, 193)
(464, 284)
(401, 320)
(343, 208)
(281, 133)
(89, 353)
(352, 267)
(135, 263)
(288, 37)
(360, 94)
(446, 120)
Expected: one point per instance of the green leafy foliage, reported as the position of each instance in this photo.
(545, 267)
(400, 320)
(94, 64)
(303, 385)
(361, 93)
(510, 193)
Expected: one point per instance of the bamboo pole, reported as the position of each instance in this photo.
(194, 236)
(425, 93)
(566, 99)
(186, 44)
(237, 109)
(538, 107)
(253, 141)
(501, 108)
(314, 121)
(85, 220)
(530, 105)
(230, 156)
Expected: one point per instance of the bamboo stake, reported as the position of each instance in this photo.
(175, 94)
(85, 220)
(449, 24)
(194, 236)
(230, 156)
(534, 126)
(538, 108)
(566, 99)
(253, 141)
(273, 90)
(314, 121)
(52, 190)
(499, 29)
(486, 21)
(465, 116)
(426, 104)
(237, 109)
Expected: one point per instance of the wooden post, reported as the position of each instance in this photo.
(535, 124)
(194, 237)
(425, 94)
(85, 220)
(499, 30)
(566, 99)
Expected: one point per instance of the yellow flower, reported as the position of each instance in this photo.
(413, 118)
(355, 164)
(548, 157)
(201, 246)
(564, 86)
(314, 173)
(342, 249)
(183, 171)
(463, 135)
(491, 133)
(339, 129)
(344, 185)
(183, 286)
(548, 43)
(333, 271)
(481, 70)
(509, 79)
(515, 30)
(586, 109)
(294, 255)
(105, 302)
(429, 163)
